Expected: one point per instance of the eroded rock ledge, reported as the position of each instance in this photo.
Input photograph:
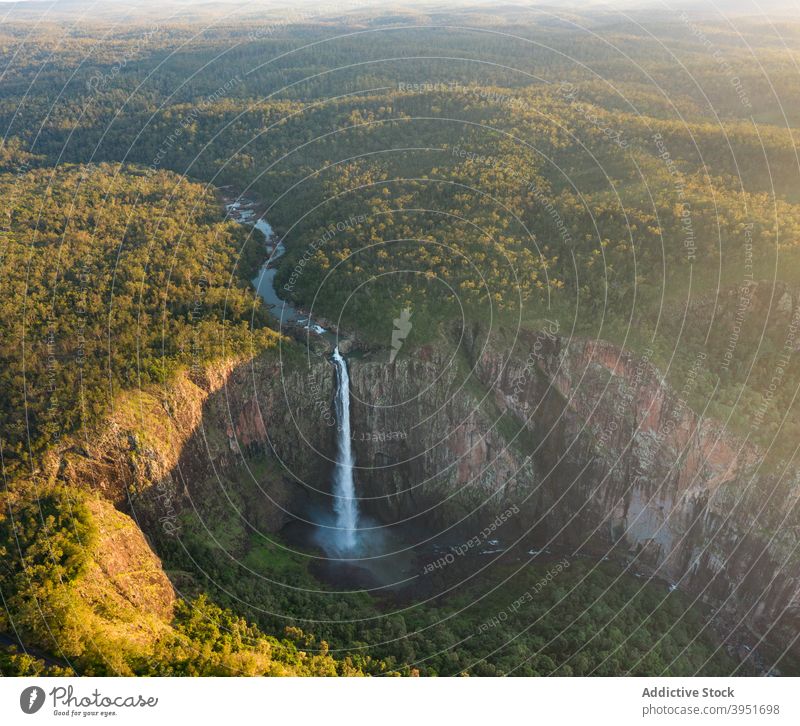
(591, 444)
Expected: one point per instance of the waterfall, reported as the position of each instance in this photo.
(345, 504)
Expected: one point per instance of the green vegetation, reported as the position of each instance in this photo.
(550, 636)
(510, 182)
(209, 641)
(505, 183)
(44, 540)
(112, 277)
(588, 620)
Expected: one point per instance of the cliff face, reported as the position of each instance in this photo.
(590, 444)
(674, 492)
(425, 448)
(167, 450)
(599, 454)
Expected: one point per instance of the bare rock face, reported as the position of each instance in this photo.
(602, 456)
(678, 494)
(597, 452)
(125, 576)
(426, 446)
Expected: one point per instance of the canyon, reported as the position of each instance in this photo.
(596, 452)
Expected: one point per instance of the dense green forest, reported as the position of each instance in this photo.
(113, 277)
(590, 622)
(511, 176)
(523, 173)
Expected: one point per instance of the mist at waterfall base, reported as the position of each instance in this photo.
(360, 550)
(380, 558)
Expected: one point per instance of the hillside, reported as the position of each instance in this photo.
(561, 260)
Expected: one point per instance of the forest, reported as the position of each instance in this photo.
(526, 172)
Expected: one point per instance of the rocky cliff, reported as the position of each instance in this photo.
(597, 452)
(600, 455)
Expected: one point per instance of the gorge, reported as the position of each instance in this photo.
(683, 520)
(598, 456)
(323, 356)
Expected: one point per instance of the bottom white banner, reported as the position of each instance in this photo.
(389, 701)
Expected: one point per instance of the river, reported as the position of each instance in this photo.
(242, 210)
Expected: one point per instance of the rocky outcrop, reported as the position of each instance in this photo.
(167, 449)
(587, 441)
(599, 454)
(124, 591)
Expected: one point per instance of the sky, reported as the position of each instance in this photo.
(109, 8)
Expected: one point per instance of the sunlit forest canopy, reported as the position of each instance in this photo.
(630, 178)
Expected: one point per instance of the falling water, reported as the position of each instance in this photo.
(345, 503)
